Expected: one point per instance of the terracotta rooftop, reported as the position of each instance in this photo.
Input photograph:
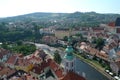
(72, 76)
(6, 71)
(12, 60)
(22, 62)
(111, 24)
(56, 68)
(38, 69)
(35, 60)
(91, 50)
(100, 54)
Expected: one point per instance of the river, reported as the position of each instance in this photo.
(90, 72)
(81, 67)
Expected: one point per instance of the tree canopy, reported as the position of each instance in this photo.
(18, 47)
(99, 43)
(57, 57)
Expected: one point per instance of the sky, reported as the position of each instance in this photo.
(19, 7)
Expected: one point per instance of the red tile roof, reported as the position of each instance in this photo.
(35, 60)
(56, 68)
(72, 76)
(22, 62)
(93, 51)
(111, 24)
(38, 69)
(7, 71)
(12, 60)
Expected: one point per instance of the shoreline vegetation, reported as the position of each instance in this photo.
(95, 66)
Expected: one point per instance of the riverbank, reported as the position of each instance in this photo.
(97, 67)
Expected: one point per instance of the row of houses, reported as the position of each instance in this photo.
(109, 53)
(37, 66)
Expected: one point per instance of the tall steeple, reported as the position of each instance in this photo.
(69, 59)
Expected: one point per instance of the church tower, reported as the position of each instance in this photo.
(69, 59)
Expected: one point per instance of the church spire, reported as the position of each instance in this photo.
(69, 59)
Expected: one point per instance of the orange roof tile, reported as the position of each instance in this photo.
(7, 71)
(56, 68)
(22, 62)
(72, 76)
(111, 24)
(38, 69)
(12, 60)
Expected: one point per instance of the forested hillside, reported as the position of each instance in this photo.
(26, 27)
(76, 19)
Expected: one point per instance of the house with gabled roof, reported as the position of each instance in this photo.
(6, 72)
(12, 61)
(49, 65)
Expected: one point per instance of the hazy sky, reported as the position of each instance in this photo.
(18, 7)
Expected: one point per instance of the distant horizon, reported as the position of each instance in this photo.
(54, 12)
(10, 8)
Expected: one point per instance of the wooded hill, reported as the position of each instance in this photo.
(76, 19)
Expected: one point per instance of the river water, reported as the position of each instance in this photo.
(81, 67)
(90, 72)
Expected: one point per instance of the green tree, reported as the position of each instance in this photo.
(4, 45)
(65, 38)
(25, 49)
(19, 42)
(57, 57)
(79, 35)
(37, 34)
(99, 43)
